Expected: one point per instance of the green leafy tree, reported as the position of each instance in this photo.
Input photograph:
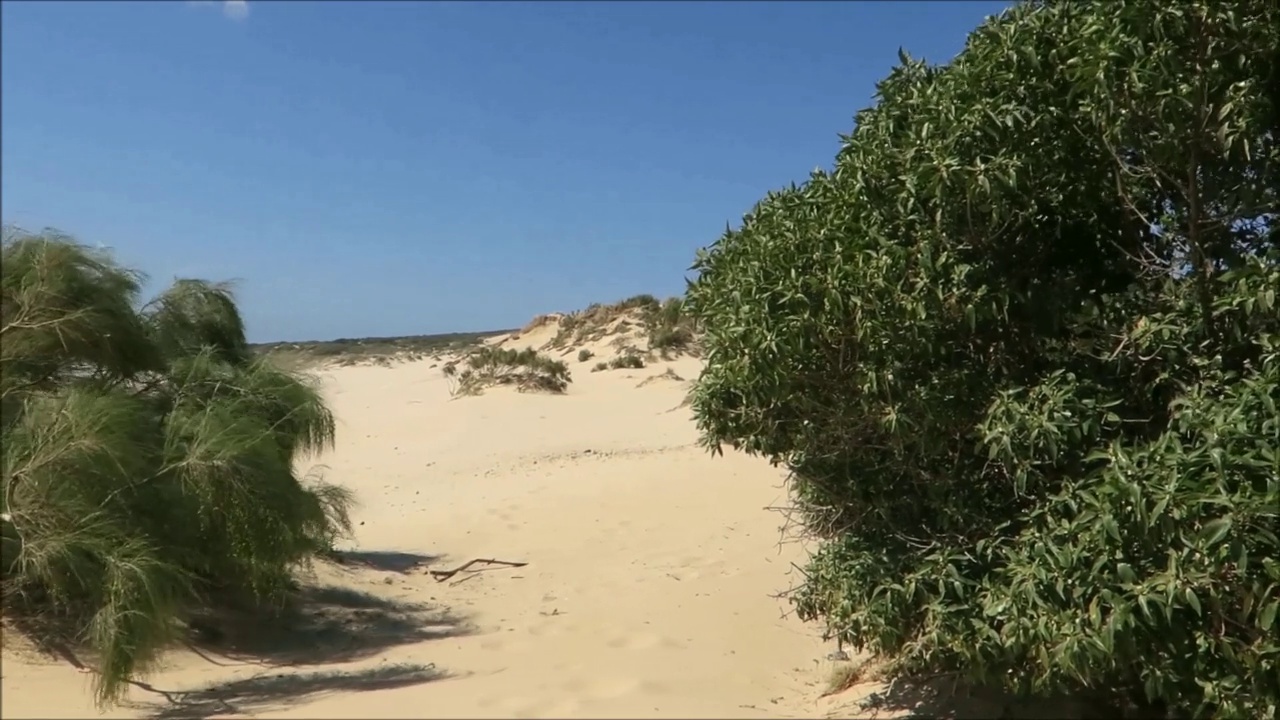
(148, 457)
(1019, 350)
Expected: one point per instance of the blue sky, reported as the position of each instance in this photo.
(375, 169)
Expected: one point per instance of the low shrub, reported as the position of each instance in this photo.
(627, 361)
(526, 369)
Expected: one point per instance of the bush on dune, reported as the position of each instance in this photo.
(1019, 350)
(148, 458)
(629, 360)
(668, 329)
(526, 369)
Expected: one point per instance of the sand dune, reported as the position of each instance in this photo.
(648, 590)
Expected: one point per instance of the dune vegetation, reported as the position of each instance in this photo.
(666, 328)
(148, 459)
(1019, 349)
(526, 370)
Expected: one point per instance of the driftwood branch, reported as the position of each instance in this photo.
(442, 575)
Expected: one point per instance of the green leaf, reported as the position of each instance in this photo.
(1157, 511)
(1125, 571)
(1268, 616)
(1214, 531)
(1112, 528)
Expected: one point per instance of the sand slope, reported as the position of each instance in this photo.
(648, 590)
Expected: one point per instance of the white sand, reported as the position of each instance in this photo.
(648, 591)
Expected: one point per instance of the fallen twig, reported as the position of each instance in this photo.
(442, 575)
(463, 579)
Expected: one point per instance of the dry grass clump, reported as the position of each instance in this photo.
(844, 676)
(540, 321)
(526, 370)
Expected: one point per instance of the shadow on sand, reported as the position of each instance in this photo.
(266, 692)
(330, 624)
(946, 699)
(325, 625)
(384, 561)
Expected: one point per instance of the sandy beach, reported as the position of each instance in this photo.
(650, 588)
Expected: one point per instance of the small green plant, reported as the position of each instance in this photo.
(643, 301)
(585, 355)
(602, 365)
(627, 361)
(667, 339)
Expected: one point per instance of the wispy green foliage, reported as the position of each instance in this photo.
(148, 458)
(1019, 349)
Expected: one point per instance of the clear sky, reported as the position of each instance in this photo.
(375, 169)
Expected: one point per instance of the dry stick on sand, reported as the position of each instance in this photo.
(442, 575)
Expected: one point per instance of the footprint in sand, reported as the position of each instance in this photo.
(682, 574)
(542, 709)
(507, 645)
(548, 629)
(526, 707)
(616, 688)
(643, 641)
(560, 709)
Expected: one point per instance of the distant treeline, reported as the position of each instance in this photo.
(379, 345)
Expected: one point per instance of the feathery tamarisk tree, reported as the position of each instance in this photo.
(148, 458)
